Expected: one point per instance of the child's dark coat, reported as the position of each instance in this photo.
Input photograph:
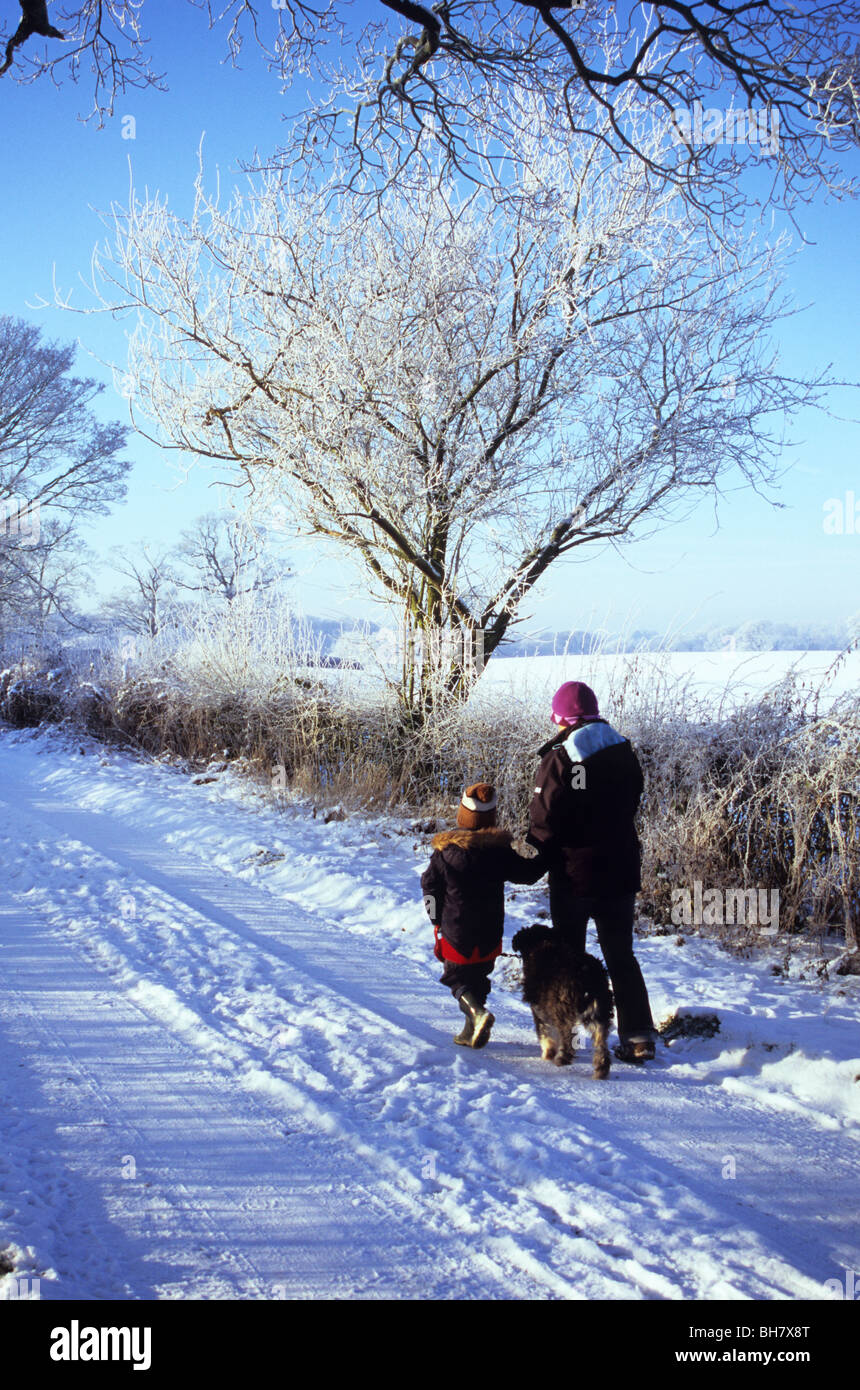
(464, 891)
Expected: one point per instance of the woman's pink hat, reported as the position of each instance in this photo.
(573, 701)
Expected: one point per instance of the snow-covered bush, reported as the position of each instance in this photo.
(762, 795)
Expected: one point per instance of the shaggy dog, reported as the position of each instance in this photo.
(564, 989)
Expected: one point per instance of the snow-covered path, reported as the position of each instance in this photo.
(153, 1181)
(231, 1076)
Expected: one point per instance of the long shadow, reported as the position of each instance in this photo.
(53, 1195)
(103, 835)
(238, 1204)
(346, 971)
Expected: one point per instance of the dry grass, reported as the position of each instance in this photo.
(766, 797)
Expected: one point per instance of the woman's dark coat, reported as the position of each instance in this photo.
(581, 818)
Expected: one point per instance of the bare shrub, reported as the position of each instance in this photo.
(763, 797)
(26, 703)
(760, 795)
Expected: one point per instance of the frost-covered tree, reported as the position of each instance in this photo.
(58, 466)
(40, 582)
(145, 605)
(412, 79)
(458, 392)
(224, 556)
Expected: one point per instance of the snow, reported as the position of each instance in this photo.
(723, 678)
(713, 682)
(226, 1071)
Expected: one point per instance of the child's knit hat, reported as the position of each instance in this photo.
(477, 810)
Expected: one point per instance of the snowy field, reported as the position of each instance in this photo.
(718, 681)
(226, 1071)
(717, 678)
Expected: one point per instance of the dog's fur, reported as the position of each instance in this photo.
(565, 989)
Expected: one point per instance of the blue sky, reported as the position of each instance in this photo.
(58, 172)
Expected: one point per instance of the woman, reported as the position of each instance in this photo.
(581, 819)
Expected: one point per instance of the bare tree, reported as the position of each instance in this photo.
(225, 556)
(41, 580)
(465, 77)
(146, 604)
(34, 20)
(58, 465)
(460, 393)
(468, 79)
(53, 450)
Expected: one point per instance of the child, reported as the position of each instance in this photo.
(464, 893)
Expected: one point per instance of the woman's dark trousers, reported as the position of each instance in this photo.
(613, 918)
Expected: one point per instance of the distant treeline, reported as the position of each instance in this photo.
(333, 642)
(753, 636)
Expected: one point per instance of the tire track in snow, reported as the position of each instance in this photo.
(228, 1196)
(345, 976)
(401, 1188)
(36, 960)
(393, 1181)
